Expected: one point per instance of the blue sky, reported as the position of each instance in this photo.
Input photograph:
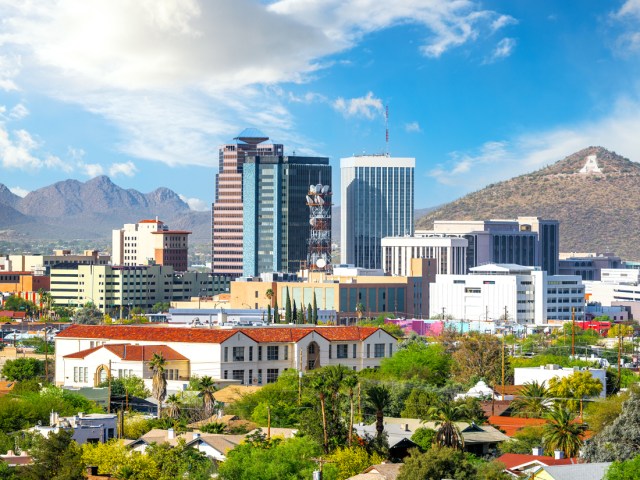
(478, 92)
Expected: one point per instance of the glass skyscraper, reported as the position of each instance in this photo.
(377, 201)
(276, 215)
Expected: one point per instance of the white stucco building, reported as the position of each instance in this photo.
(85, 354)
(529, 296)
(616, 285)
(449, 253)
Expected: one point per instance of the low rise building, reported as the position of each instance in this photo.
(85, 355)
(616, 287)
(86, 428)
(25, 284)
(40, 264)
(117, 289)
(449, 253)
(507, 292)
(588, 265)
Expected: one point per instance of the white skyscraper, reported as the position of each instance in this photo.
(377, 202)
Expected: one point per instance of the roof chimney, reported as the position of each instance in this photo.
(538, 451)
(558, 454)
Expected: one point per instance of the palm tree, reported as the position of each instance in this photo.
(360, 310)
(350, 383)
(319, 384)
(207, 388)
(562, 432)
(379, 397)
(173, 406)
(533, 401)
(269, 295)
(157, 364)
(445, 416)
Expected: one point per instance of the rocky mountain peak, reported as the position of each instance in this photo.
(592, 161)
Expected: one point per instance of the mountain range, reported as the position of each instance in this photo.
(90, 210)
(594, 193)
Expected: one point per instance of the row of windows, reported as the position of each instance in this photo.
(272, 376)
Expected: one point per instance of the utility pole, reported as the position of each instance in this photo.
(109, 395)
(619, 354)
(505, 309)
(573, 332)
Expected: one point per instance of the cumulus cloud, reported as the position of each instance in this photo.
(367, 107)
(18, 112)
(628, 27)
(503, 49)
(21, 192)
(128, 169)
(630, 8)
(18, 150)
(499, 160)
(166, 74)
(412, 127)
(91, 170)
(196, 203)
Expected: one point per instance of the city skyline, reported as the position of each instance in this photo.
(477, 92)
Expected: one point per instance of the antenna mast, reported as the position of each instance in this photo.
(386, 129)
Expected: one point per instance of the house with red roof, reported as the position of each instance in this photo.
(86, 354)
(524, 465)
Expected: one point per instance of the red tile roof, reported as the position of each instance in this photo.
(510, 425)
(189, 335)
(150, 221)
(514, 460)
(83, 353)
(12, 314)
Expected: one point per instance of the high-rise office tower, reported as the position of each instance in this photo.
(276, 215)
(377, 202)
(227, 211)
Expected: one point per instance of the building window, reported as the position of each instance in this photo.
(286, 352)
(238, 375)
(312, 348)
(260, 353)
(330, 351)
(272, 353)
(226, 354)
(226, 374)
(251, 354)
(391, 349)
(76, 376)
(368, 350)
(272, 375)
(250, 379)
(378, 350)
(86, 374)
(354, 350)
(259, 376)
(342, 351)
(238, 354)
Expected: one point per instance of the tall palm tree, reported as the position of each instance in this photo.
(207, 388)
(445, 416)
(174, 405)
(350, 383)
(319, 384)
(533, 401)
(379, 397)
(562, 432)
(158, 364)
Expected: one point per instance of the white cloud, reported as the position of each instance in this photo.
(169, 76)
(502, 21)
(127, 169)
(630, 8)
(18, 149)
(499, 160)
(21, 192)
(18, 112)
(412, 127)
(196, 203)
(503, 49)
(367, 106)
(627, 27)
(91, 170)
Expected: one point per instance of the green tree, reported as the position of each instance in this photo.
(533, 401)
(620, 440)
(158, 364)
(350, 461)
(160, 307)
(602, 413)
(492, 471)
(56, 457)
(18, 304)
(350, 383)
(523, 440)
(577, 386)
(314, 317)
(309, 314)
(626, 470)
(418, 361)
(360, 310)
(88, 315)
(378, 397)
(276, 313)
(207, 388)
(180, 461)
(437, 463)
(23, 369)
(287, 307)
(479, 356)
(445, 415)
(563, 433)
(174, 406)
(320, 385)
(114, 458)
(294, 313)
(270, 295)
(424, 438)
(127, 386)
(300, 315)
(259, 459)
(269, 318)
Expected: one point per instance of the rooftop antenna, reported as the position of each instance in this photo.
(386, 129)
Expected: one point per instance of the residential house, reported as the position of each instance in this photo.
(382, 471)
(582, 471)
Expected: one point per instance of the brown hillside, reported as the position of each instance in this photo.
(598, 211)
